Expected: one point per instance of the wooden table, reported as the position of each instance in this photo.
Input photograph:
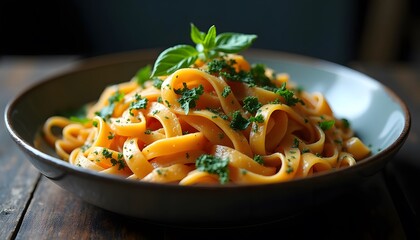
(32, 207)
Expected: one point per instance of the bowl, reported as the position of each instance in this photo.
(378, 116)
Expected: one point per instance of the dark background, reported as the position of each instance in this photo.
(339, 31)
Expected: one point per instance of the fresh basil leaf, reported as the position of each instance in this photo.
(174, 58)
(210, 39)
(143, 74)
(196, 35)
(233, 42)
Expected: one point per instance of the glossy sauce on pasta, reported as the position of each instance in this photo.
(150, 133)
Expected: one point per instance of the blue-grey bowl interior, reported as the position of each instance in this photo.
(377, 115)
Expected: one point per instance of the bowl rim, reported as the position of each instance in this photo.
(149, 54)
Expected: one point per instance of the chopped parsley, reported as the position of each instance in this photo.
(255, 77)
(214, 165)
(106, 153)
(159, 172)
(120, 162)
(189, 96)
(216, 66)
(238, 122)
(139, 103)
(258, 118)
(167, 103)
(148, 132)
(111, 135)
(295, 143)
(288, 95)
(251, 104)
(116, 97)
(259, 77)
(226, 91)
(325, 125)
(106, 112)
(157, 83)
(259, 159)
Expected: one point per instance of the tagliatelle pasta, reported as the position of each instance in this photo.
(201, 125)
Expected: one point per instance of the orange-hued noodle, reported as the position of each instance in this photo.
(263, 134)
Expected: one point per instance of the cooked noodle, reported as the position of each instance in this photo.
(252, 134)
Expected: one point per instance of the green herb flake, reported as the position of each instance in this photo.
(258, 74)
(259, 159)
(107, 111)
(214, 165)
(111, 135)
(326, 125)
(288, 95)
(251, 104)
(139, 103)
(295, 143)
(238, 122)
(157, 83)
(258, 118)
(226, 91)
(106, 153)
(159, 172)
(148, 132)
(189, 96)
(116, 97)
(167, 103)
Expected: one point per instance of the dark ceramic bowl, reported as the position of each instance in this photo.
(377, 115)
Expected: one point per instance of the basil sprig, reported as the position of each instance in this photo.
(208, 45)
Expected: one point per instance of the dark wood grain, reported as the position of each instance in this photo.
(17, 182)
(18, 178)
(57, 214)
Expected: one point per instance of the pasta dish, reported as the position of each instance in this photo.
(208, 117)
